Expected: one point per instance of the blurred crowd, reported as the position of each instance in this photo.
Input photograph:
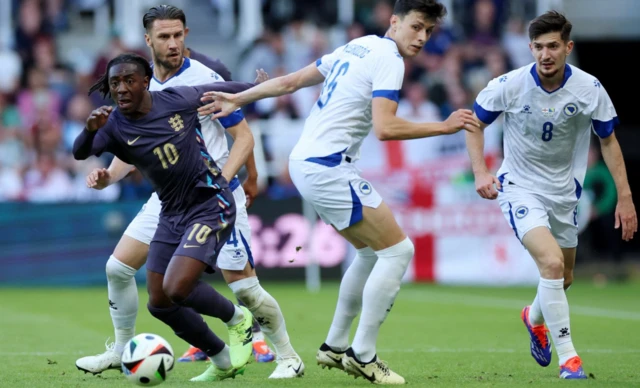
(44, 102)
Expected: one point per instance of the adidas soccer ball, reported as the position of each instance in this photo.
(147, 359)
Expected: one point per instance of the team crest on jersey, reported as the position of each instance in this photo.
(176, 122)
(365, 187)
(526, 109)
(521, 212)
(548, 112)
(570, 109)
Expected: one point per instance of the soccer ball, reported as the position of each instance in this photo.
(147, 359)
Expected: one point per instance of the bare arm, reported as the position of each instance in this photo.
(239, 153)
(387, 126)
(484, 180)
(227, 103)
(250, 186)
(475, 147)
(625, 210)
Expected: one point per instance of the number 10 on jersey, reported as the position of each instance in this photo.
(331, 82)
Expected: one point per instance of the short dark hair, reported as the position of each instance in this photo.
(102, 85)
(163, 12)
(431, 9)
(550, 21)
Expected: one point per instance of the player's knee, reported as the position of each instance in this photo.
(248, 291)
(177, 291)
(551, 267)
(402, 252)
(118, 271)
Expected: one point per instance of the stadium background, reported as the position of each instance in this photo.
(55, 231)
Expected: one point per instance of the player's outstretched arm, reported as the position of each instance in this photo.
(239, 153)
(484, 179)
(225, 103)
(87, 143)
(387, 126)
(625, 214)
(101, 178)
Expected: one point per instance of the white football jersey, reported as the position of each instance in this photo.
(193, 73)
(547, 134)
(355, 73)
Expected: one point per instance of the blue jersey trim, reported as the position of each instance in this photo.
(512, 222)
(234, 184)
(232, 120)
(486, 116)
(393, 95)
(329, 160)
(356, 211)
(536, 78)
(578, 188)
(185, 65)
(318, 62)
(604, 129)
(246, 247)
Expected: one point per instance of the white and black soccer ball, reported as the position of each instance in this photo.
(147, 359)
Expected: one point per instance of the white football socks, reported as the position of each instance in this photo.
(222, 360)
(123, 300)
(267, 312)
(535, 312)
(350, 298)
(555, 308)
(378, 296)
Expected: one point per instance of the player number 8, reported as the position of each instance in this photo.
(547, 131)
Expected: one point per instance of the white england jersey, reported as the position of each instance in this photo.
(194, 73)
(547, 134)
(355, 73)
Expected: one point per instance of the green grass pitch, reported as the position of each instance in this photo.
(435, 336)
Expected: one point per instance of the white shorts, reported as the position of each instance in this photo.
(234, 254)
(525, 210)
(336, 193)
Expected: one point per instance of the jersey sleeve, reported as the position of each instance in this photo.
(231, 120)
(604, 117)
(94, 143)
(325, 63)
(490, 102)
(188, 97)
(386, 80)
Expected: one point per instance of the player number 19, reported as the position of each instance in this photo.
(547, 131)
(167, 152)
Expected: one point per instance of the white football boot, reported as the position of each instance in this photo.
(288, 368)
(376, 371)
(101, 362)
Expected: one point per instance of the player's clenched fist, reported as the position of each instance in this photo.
(485, 185)
(98, 118)
(98, 179)
(461, 119)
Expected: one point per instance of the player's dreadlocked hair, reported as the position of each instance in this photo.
(102, 85)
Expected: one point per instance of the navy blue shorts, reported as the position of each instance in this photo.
(200, 233)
